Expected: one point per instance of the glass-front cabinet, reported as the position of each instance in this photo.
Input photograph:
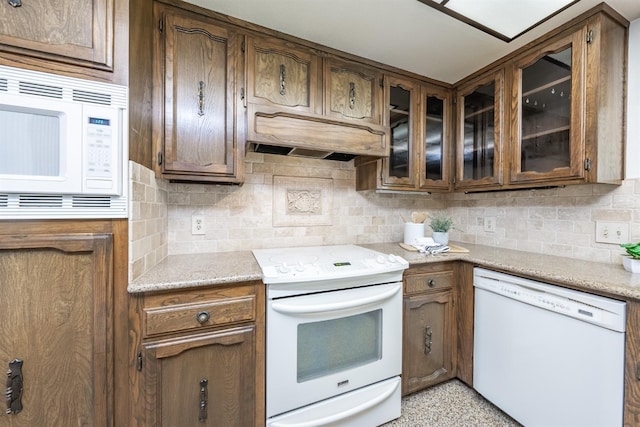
(479, 130)
(418, 116)
(547, 132)
(434, 156)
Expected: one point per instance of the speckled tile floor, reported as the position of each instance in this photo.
(451, 404)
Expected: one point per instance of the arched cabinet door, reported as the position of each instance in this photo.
(56, 304)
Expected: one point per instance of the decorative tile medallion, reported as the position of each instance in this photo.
(300, 202)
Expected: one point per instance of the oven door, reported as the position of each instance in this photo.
(326, 344)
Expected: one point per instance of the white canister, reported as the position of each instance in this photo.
(413, 231)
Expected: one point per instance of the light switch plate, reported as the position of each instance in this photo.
(612, 232)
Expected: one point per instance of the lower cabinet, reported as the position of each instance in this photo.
(205, 379)
(429, 327)
(59, 301)
(200, 360)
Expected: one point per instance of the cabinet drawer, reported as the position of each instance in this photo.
(428, 282)
(184, 312)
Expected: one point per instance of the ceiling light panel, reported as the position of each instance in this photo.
(505, 19)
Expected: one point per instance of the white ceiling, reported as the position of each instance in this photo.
(403, 33)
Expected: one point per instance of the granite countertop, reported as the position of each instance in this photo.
(193, 270)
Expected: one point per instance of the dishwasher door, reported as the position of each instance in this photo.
(540, 366)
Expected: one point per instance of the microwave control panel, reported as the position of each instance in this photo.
(102, 156)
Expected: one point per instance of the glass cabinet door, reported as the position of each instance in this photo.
(547, 134)
(479, 132)
(435, 162)
(398, 168)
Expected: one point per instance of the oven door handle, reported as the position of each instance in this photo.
(341, 415)
(283, 307)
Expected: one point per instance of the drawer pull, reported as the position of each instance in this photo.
(431, 283)
(204, 400)
(203, 317)
(15, 3)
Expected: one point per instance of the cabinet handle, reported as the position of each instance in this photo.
(431, 283)
(15, 3)
(283, 75)
(427, 340)
(13, 393)
(352, 95)
(201, 98)
(204, 397)
(203, 317)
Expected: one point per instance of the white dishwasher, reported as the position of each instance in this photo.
(546, 355)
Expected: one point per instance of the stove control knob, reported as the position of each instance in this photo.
(381, 259)
(284, 268)
(300, 266)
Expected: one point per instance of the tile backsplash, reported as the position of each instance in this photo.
(287, 201)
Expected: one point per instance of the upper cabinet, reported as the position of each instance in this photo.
(301, 100)
(353, 91)
(282, 75)
(73, 31)
(480, 119)
(567, 101)
(566, 107)
(419, 119)
(197, 125)
(548, 94)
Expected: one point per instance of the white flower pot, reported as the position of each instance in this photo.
(441, 237)
(631, 264)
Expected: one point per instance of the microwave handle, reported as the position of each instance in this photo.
(283, 307)
(341, 415)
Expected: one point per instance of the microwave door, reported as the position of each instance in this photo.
(40, 145)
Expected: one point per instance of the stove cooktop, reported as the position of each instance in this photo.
(320, 263)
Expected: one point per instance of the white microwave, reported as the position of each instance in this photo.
(63, 146)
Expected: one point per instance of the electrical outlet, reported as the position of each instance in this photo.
(612, 232)
(197, 224)
(490, 224)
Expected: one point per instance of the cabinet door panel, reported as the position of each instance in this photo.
(548, 102)
(63, 30)
(281, 75)
(177, 367)
(428, 340)
(353, 92)
(398, 169)
(435, 139)
(480, 133)
(196, 132)
(55, 299)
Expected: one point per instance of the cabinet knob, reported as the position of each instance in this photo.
(431, 283)
(203, 317)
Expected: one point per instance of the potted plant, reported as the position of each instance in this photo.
(441, 223)
(631, 261)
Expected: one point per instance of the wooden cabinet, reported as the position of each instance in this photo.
(352, 91)
(419, 118)
(197, 128)
(564, 99)
(302, 101)
(479, 131)
(61, 327)
(547, 96)
(567, 98)
(201, 356)
(429, 327)
(282, 74)
(72, 31)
